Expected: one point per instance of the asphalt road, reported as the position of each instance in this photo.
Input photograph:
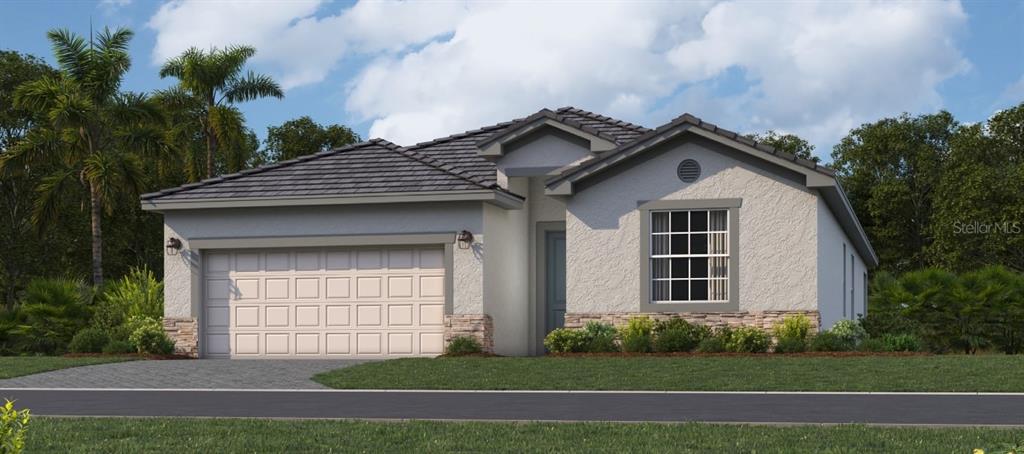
(664, 407)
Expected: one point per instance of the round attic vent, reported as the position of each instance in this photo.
(688, 171)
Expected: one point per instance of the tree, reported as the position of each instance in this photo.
(979, 203)
(890, 170)
(790, 143)
(91, 132)
(214, 79)
(303, 136)
(19, 246)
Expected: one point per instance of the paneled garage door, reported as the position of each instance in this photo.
(355, 302)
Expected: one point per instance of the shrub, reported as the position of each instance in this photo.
(678, 335)
(137, 294)
(463, 345)
(636, 335)
(601, 337)
(565, 340)
(747, 339)
(713, 344)
(13, 428)
(791, 345)
(794, 327)
(148, 337)
(89, 340)
(901, 343)
(49, 315)
(872, 344)
(850, 331)
(827, 341)
(119, 347)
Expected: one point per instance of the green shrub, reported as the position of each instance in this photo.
(148, 336)
(463, 345)
(827, 341)
(713, 344)
(678, 335)
(901, 343)
(89, 340)
(119, 347)
(793, 327)
(13, 428)
(601, 337)
(565, 340)
(637, 335)
(850, 331)
(791, 345)
(137, 294)
(747, 339)
(49, 315)
(872, 344)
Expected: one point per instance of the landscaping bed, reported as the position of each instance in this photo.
(16, 366)
(692, 372)
(115, 435)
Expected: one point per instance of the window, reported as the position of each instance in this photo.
(689, 256)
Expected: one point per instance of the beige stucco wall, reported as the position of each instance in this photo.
(777, 243)
(182, 273)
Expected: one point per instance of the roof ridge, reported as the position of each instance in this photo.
(266, 167)
(463, 134)
(604, 118)
(439, 165)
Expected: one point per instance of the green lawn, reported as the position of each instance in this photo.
(718, 373)
(16, 366)
(110, 435)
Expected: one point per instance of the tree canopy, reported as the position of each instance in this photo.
(303, 136)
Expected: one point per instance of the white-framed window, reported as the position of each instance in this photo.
(689, 256)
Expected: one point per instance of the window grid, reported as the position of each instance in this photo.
(683, 242)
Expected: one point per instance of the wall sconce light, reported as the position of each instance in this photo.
(465, 238)
(173, 246)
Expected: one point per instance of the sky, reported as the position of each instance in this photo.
(412, 71)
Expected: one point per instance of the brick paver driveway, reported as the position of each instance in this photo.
(186, 374)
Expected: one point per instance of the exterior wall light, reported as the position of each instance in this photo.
(465, 238)
(173, 246)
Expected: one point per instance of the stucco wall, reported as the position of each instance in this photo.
(505, 277)
(777, 236)
(835, 302)
(182, 298)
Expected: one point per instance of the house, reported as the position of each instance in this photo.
(505, 233)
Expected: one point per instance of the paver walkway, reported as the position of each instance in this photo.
(185, 374)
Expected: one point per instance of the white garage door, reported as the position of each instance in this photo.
(354, 302)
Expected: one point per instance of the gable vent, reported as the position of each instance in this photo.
(688, 171)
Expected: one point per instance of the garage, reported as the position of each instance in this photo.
(323, 302)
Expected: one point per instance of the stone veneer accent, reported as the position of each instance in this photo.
(764, 320)
(184, 334)
(479, 326)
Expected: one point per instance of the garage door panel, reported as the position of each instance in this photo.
(372, 302)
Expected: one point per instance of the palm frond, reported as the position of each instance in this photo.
(50, 192)
(252, 86)
(71, 51)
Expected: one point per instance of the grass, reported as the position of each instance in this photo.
(16, 366)
(991, 373)
(114, 435)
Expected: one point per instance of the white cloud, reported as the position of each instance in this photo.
(1011, 95)
(812, 68)
(296, 44)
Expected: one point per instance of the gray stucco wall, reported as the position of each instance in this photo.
(835, 298)
(778, 231)
(182, 273)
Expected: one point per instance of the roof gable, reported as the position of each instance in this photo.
(496, 145)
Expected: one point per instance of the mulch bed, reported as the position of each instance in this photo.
(126, 355)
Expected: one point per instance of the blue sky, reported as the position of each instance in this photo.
(413, 71)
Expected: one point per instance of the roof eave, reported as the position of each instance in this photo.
(496, 197)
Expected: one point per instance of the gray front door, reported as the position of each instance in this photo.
(554, 245)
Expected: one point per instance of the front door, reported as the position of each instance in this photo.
(554, 245)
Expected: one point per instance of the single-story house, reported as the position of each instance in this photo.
(504, 233)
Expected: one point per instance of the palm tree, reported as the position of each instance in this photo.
(91, 130)
(215, 79)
